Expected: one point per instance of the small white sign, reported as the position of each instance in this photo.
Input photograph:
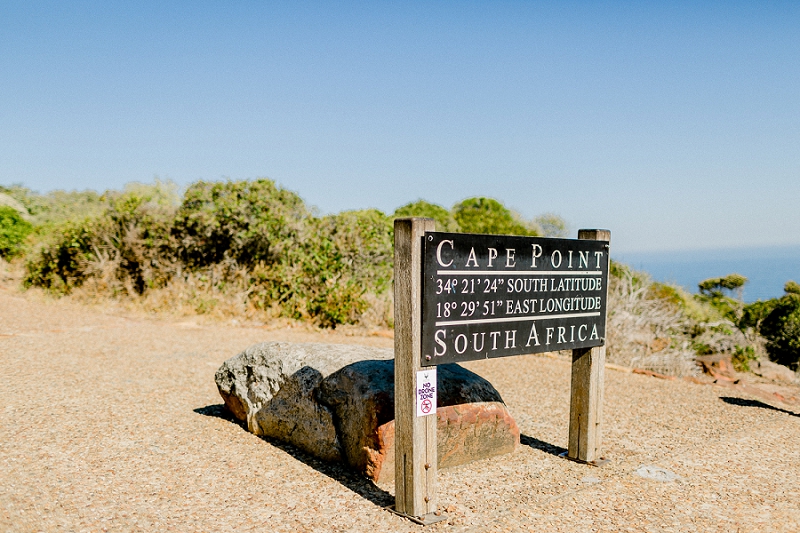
(426, 392)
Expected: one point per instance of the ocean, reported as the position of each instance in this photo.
(767, 268)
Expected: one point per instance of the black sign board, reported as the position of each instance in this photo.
(498, 295)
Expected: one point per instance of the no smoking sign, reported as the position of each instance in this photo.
(426, 392)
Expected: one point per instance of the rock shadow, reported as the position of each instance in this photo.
(339, 472)
(541, 445)
(741, 402)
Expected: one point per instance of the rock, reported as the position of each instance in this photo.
(271, 387)
(465, 433)
(473, 421)
(336, 402)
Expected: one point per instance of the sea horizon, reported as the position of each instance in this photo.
(767, 268)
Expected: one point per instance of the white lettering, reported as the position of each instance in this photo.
(464, 349)
(553, 258)
(510, 262)
(598, 255)
(537, 252)
(494, 335)
(440, 342)
(492, 256)
(439, 254)
(511, 340)
(475, 341)
(533, 336)
(472, 258)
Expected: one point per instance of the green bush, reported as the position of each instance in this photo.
(328, 273)
(247, 242)
(742, 357)
(444, 218)
(487, 215)
(714, 286)
(60, 266)
(129, 247)
(791, 287)
(754, 314)
(244, 221)
(13, 231)
(781, 328)
(57, 207)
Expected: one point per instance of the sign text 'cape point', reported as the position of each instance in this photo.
(496, 295)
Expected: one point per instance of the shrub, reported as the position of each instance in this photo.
(128, 248)
(13, 231)
(487, 215)
(57, 207)
(781, 328)
(645, 326)
(328, 274)
(246, 221)
(444, 218)
(791, 287)
(742, 357)
(754, 314)
(61, 266)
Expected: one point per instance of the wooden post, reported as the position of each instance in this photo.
(588, 385)
(415, 437)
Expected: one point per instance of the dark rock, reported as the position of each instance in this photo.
(336, 402)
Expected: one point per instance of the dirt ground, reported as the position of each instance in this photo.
(112, 422)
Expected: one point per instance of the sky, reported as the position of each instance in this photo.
(676, 125)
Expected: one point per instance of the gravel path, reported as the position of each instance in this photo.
(113, 423)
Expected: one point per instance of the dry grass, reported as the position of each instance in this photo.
(646, 332)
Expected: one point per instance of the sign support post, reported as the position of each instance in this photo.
(587, 388)
(415, 436)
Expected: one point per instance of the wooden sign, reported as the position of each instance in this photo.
(459, 297)
(487, 296)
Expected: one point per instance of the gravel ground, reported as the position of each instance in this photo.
(113, 423)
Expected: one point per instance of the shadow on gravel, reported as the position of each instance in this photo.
(754, 403)
(537, 444)
(336, 471)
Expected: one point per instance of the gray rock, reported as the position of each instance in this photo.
(336, 402)
(271, 387)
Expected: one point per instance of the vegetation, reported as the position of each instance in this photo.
(778, 321)
(13, 231)
(487, 215)
(235, 247)
(253, 249)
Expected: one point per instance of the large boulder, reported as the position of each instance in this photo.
(336, 402)
(271, 387)
(473, 421)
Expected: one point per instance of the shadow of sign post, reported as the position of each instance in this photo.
(461, 297)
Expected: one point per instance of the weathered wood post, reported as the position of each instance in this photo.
(588, 385)
(415, 436)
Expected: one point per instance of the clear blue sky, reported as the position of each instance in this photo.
(677, 126)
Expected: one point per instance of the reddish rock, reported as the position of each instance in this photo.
(465, 433)
(473, 421)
